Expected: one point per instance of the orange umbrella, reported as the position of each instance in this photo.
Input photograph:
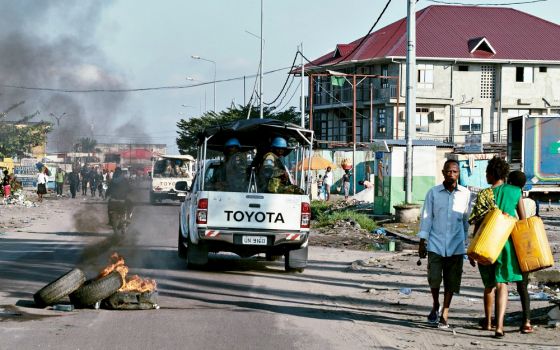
(317, 163)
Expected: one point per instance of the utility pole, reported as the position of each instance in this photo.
(302, 90)
(410, 93)
(261, 68)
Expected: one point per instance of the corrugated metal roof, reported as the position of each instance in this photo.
(445, 32)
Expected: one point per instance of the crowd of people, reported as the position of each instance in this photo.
(445, 220)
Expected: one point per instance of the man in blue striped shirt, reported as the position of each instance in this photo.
(443, 235)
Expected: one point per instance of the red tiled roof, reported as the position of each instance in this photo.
(447, 31)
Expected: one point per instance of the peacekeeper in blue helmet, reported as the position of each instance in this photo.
(232, 174)
(273, 172)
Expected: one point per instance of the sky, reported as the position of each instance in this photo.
(130, 44)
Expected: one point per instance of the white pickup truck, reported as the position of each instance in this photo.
(252, 221)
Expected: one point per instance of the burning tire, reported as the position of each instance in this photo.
(96, 290)
(61, 287)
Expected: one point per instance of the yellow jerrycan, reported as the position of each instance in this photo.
(531, 245)
(491, 237)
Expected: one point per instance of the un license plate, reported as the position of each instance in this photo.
(254, 240)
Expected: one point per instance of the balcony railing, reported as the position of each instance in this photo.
(344, 95)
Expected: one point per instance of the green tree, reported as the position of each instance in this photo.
(191, 128)
(86, 145)
(17, 138)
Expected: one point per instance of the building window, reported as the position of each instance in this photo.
(381, 121)
(524, 74)
(422, 119)
(470, 119)
(463, 68)
(487, 81)
(425, 76)
(542, 69)
(384, 72)
(514, 112)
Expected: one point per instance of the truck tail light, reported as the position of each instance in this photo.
(202, 211)
(305, 215)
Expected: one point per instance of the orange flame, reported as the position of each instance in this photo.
(130, 284)
(137, 284)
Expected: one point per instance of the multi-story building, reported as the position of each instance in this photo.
(476, 67)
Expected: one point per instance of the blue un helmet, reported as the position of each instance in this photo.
(233, 142)
(279, 142)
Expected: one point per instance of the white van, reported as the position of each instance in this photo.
(166, 171)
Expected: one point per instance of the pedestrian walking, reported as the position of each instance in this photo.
(92, 178)
(320, 188)
(6, 187)
(443, 234)
(506, 269)
(84, 174)
(74, 180)
(346, 183)
(328, 182)
(99, 182)
(59, 181)
(517, 178)
(42, 183)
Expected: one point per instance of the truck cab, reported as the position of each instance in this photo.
(242, 213)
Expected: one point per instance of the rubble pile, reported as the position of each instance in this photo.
(18, 198)
(348, 234)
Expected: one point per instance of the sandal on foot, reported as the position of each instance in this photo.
(443, 324)
(499, 335)
(433, 317)
(482, 324)
(526, 329)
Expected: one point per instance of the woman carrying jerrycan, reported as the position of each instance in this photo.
(505, 269)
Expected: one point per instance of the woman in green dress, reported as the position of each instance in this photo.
(506, 268)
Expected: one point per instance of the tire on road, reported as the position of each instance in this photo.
(197, 254)
(61, 287)
(296, 260)
(181, 249)
(96, 290)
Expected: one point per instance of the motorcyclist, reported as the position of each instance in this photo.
(118, 194)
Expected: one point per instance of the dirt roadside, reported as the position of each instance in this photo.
(384, 278)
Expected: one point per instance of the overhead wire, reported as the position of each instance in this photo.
(170, 87)
(291, 98)
(487, 4)
(285, 82)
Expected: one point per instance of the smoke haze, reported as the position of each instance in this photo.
(52, 44)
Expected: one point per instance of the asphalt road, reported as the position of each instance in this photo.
(233, 304)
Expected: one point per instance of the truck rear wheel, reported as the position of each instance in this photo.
(197, 254)
(296, 260)
(152, 198)
(181, 249)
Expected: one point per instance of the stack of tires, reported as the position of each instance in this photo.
(82, 292)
